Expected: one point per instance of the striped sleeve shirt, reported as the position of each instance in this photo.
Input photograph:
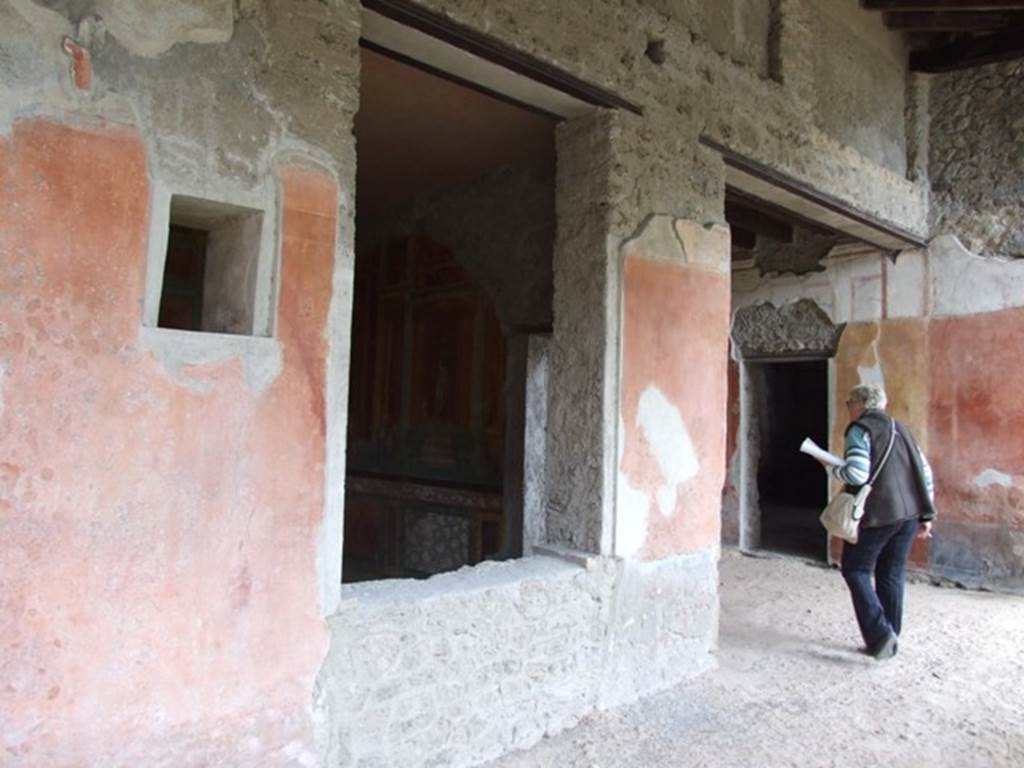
(857, 456)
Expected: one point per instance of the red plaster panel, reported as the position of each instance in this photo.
(730, 493)
(675, 338)
(900, 347)
(81, 64)
(977, 415)
(158, 592)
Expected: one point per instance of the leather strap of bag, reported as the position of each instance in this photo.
(885, 458)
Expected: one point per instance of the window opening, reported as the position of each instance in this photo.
(210, 267)
(454, 234)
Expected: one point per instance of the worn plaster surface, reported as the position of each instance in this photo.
(673, 394)
(582, 373)
(469, 665)
(934, 328)
(246, 440)
(107, 531)
(858, 155)
(788, 662)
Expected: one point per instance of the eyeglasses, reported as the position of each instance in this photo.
(852, 402)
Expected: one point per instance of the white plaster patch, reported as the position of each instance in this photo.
(872, 374)
(177, 351)
(665, 432)
(631, 509)
(631, 515)
(906, 286)
(993, 477)
(656, 241)
(707, 246)
(964, 283)
(150, 27)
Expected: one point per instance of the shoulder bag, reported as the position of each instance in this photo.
(841, 517)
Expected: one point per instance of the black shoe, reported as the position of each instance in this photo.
(885, 648)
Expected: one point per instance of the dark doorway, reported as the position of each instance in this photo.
(792, 487)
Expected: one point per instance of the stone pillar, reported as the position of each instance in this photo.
(581, 413)
(535, 441)
(638, 382)
(672, 307)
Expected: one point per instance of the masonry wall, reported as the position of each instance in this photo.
(469, 665)
(163, 494)
(146, 516)
(976, 162)
(672, 449)
(173, 504)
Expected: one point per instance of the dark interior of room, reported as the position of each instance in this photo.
(792, 487)
(429, 383)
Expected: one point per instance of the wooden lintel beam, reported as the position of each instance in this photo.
(950, 21)
(942, 5)
(758, 222)
(743, 238)
(972, 52)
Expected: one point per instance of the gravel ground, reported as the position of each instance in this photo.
(793, 690)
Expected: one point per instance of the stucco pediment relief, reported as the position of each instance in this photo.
(798, 329)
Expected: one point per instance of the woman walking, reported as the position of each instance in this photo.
(899, 509)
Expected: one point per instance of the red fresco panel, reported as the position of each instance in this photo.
(159, 538)
(675, 340)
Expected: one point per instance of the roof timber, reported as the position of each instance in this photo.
(956, 34)
(970, 52)
(942, 5)
(953, 21)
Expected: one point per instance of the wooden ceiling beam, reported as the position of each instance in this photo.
(757, 221)
(743, 238)
(943, 5)
(972, 52)
(953, 21)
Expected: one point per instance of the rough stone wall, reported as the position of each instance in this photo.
(738, 30)
(466, 666)
(697, 90)
(977, 158)
(860, 80)
(804, 254)
(500, 227)
(534, 449)
(581, 376)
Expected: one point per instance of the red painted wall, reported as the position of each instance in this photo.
(675, 338)
(157, 542)
(954, 382)
(976, 420)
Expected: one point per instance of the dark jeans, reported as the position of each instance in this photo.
(883, 552)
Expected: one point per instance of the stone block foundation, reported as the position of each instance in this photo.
(466, 666)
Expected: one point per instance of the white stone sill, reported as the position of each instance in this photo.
(549, 565)
(177, 350)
